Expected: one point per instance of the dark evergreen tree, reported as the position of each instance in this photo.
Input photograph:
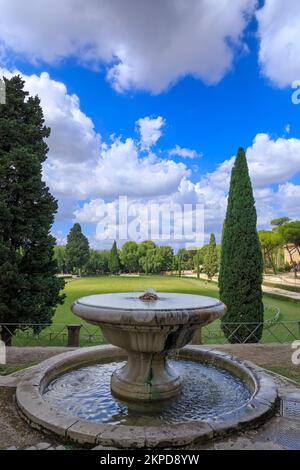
(211, 263)
(241, 266)
(114, 261)
(29, 288)
(77, 250)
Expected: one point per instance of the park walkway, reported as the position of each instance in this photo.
(295, 296)
(278, 291)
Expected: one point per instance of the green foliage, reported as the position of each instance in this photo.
(270, 241)
(197, 263)
(185, 258)
(60, 258)
(143, 249)
(98, 262)
(290, 233)
(129, 257)
(167, 257)
(157, 259)
(241, 265)
(281, 221)
(202, 253)
(114, 261)
(77, 250)
(211, 262)
(29, 288)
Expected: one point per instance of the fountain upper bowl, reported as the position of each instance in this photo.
(128, 309)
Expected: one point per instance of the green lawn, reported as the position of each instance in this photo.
(289, 372)
(95, 285)
(7, 369)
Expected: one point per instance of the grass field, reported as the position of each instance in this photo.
(56, 335)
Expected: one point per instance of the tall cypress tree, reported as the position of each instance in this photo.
(241, 266)
(114, 262)
(77, 249)
(211, 263)
(29, 288)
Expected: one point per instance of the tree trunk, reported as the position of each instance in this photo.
(272, 263)
(265, 262)
(290, 253)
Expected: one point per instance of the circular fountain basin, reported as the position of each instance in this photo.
(244, 396)
(86, 393)
(148, 331)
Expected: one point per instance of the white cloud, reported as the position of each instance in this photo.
(61, 238)
(273, 161)
(121, 170)
(184, 152)
(270, 162)
(79, 166)
(289, 199)
(279, 54)
(150, 130)
(145, 45)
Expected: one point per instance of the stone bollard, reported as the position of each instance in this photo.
(74, 335)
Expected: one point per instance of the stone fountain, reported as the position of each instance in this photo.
(148, 326)
(93, 396)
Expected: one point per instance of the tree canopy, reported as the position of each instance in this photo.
(211, 262)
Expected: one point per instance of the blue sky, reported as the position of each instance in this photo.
(208, 90)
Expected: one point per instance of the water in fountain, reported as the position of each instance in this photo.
(207, 391)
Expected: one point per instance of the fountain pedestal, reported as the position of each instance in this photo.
(148, 330)
(146, 376)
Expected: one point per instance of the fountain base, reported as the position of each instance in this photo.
(146, 377)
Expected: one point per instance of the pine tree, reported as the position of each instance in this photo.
(77, 250)
(29, 288)
(241, 266)
(211, 263)
(114, 262)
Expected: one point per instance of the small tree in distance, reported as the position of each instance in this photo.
(114, 262)
(211, 263)
(77, 250)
